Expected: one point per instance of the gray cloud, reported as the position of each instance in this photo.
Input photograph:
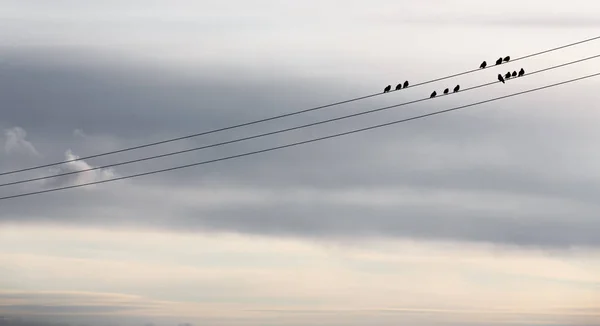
(483, 175)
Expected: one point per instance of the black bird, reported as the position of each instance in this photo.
(433, 94)
(499, 61)
(387, 88)
(456, 88)
(405, 84)
(399, 86)
(500, 78)
(514, 74)
(483, 65)
(521, 72)
(507, 58)
(507, 76)
(446, 91)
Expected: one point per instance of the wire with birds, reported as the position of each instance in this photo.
(405, 85)
(433, 95)
(297, 143)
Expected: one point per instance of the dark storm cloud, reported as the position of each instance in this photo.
(493, 156)
(57, 97)
(50, 98)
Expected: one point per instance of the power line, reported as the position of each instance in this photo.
(282, 115)
(297, 143)
(277, 131)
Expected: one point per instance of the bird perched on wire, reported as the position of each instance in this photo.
(446, 91)
(507, 76)
(521, 72)
(387, 88)
(507, 58)
(457, 88)
(483, 65)
(514, 74)
(500, 78)
(405, 84)
(433, 94)
(399, 86)
(499, 61)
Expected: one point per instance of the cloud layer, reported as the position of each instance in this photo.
(16, 143)
(84, 273)
(491, 174)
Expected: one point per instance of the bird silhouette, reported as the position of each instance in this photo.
(499, 61)
(507, 58)
(399, 86)
(387, 88)
(483, 65)
(514, 74)
(507, 76)
(433, 94)
(405, 84)
(521, 72)
(500, 78)
(446, 91)
(457, 88)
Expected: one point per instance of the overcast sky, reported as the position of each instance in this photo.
(484, 215)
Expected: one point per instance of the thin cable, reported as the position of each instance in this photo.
(297, 143)
(277, 131)
(282, 115)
